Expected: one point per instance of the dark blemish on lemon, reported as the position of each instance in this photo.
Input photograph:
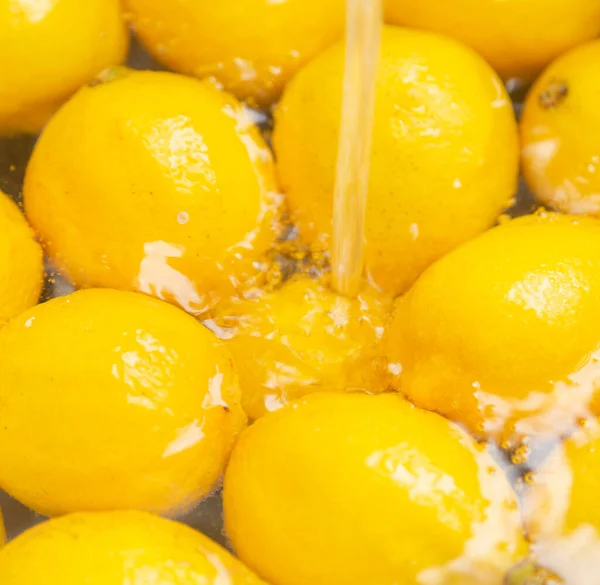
(554, 95)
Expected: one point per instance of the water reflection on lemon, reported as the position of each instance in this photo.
(305, 338)
(561, 156)
(170, 189)
(113, 400)
(354, 489)
(252, 47)
(503, 333)
(444, 156)
(561, 508)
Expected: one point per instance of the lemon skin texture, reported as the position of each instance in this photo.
(21, 264)
(50, 48)
(252, 47)
(113, 400)
(511, 342)
(560, 122)
(170, 190)
(117, 548)
(305, 338)
(444, 156)
(518, 38)
(352, 488)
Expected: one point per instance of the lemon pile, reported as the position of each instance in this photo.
(355, 440)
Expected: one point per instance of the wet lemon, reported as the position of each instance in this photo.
(351, 488)
(444, 158)
(561, 156)
(517, 37)
(50, 48)
(303, 338)
(113, 400)
(169, 190)
(118, 548)
(21, 266)
(561, 508)
(503, 330)
(252, 47)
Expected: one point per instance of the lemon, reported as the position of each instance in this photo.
(117, 548)
(517, 37)
(444, 158)
(561, 157)
(501, 333)
(303, 338)
(113, 400)
(253, 47)
(560, 507)
(350, 488)
(21, 266)
(50, 48)
(169, 191)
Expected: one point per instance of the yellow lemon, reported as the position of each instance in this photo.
(561, 156)
(117, 548)
(501, 333)
(156, 183)
(560, 506)
(252, 47)
(303, 338)
(444, 159)
(517, 37)
(21, 266)
(350, 488)
(50, 48)
(113, 400)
